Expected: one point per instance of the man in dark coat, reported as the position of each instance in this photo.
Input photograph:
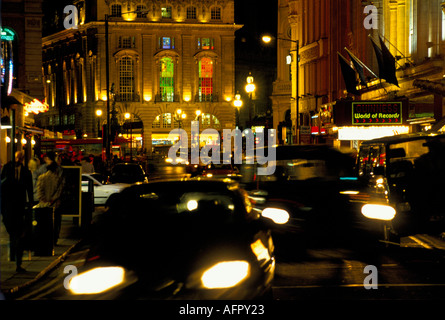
(17, 197)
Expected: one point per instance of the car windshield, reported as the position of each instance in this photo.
(210, 204)
(127, 173)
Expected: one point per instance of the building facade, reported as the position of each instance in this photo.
(21, 74)
(413, 32)
(170, 62)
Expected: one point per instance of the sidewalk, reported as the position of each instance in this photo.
(35, 266)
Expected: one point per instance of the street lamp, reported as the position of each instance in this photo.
(250, 89)
(267, 39)
(237, 103)
(99, 120)
(180, 116)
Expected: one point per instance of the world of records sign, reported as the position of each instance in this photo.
(376, 113)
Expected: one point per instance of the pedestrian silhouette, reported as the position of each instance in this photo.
(49, 190)
(17, 198)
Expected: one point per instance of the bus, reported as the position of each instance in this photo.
(78, 148)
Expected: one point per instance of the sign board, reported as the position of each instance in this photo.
(71, 203)
(305, 134)
(376, 113)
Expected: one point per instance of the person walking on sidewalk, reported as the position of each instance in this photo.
(49, 190)
(17, 197)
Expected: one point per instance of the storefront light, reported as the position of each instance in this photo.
(371, 132)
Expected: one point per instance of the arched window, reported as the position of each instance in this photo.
(126, 79)
(166, 81)
(163, 121)
(205, 79)
(209, 121)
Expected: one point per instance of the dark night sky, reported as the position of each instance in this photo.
(251, 55)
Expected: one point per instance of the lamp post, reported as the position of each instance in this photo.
(237, 103)
(250, 89)
(268, 39)
(180, 116)
(99, 118)
(107, 75)
(127, 117)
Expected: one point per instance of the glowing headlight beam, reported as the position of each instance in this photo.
(225, 274)
(96, 280)
(278, 216)
(378, 211)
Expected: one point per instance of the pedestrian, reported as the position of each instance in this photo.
(49, 190)
(87, 166)
(17, 198)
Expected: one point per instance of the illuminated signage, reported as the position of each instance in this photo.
(7, 34)
(35, 106)
(376, 113)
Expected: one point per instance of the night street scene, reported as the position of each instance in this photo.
(223, 157)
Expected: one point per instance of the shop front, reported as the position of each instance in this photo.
(358, 121)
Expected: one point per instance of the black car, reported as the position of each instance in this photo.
(127, 172)
(405, 174)
(318, 188)
(178, 240)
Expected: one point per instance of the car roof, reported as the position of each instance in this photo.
(217, 185)
(400, 138)
(309, 151)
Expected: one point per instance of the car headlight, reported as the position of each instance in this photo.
(278, 216)
(96, 280)
(225, 274)
(378, 211)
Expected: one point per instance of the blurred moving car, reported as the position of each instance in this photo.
(317, 186)
(404, 175)
(101, 191)
(127, 172)
(220, 171)
(178, 240)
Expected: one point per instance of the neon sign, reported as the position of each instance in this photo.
(7, 34)
(376, 113)
(35, 106)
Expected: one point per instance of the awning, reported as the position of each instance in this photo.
(8, 101)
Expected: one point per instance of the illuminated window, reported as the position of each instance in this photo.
(116, 10)
(166, 79)
(205, 44)
(191, 13)
(126, 79)
(163, 121)
(166, 43)
(205, 79)
(166, 12)
(209, 120)
(215, 13)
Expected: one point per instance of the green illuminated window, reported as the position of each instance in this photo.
(166, 12)
(205, 79)
(166, 80)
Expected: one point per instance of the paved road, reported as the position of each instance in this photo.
(413, 271)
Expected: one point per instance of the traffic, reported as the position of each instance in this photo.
(205, 236)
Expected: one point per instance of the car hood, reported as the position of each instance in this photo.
(162, 262)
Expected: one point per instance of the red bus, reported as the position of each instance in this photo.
(78, 148)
